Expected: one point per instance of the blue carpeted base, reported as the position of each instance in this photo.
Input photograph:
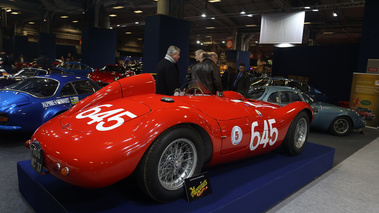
(251, 185)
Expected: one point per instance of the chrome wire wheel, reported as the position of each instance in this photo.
(301, 132)
(341, 126)
(177, 162)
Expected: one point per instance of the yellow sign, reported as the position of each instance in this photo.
(364, 97)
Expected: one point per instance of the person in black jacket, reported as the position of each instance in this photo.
(167, 73)
(208, 73)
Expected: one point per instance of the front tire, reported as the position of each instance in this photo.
(340, 126)
(175, 155)
(297, 134)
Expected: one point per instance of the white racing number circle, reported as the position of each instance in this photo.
(236, 135)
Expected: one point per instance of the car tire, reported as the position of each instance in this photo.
(297, 134)
(177, 154)
(340, 126)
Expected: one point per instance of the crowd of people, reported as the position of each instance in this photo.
(205, 70)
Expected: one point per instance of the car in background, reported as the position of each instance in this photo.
(337, 120)
(127, 128)
(23, 65)
(25, 105)
(25, 73)
(75, 68)
(304, 87)
(367, 113)
(109, 73)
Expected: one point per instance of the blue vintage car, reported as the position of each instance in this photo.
(314, 93)
(75, 68)
(337, 120)
(26, 105)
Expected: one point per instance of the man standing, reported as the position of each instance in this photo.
(208, 73)
(242, 82)
(167, 74)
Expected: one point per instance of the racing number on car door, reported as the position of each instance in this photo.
(266, 136)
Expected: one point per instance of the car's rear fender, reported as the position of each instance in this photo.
(125, 87)
(207, 127)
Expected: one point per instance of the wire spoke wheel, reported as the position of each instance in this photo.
(178, 162)
(301, 132)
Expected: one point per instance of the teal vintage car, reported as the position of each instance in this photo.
(337, 120)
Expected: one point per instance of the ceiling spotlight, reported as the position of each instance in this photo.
(250, 15)
(307, 7)
(315, 10)
(197, 42)
(242, 12)
(14, 13)
(8, 10)
(118, 7)
(64, 16)
(128, 33)
(138, 11)
(214, 1)
(209, 28)
(31, 22)
(223, 42)
(112, 15)
(203, 15)
(335, 14)
(136, 22)
(213, 18)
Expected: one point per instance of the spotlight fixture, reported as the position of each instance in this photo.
(64, 16)
(315, 10)
(307, 7)
(335, 14)
(112, 15)
(138, 11)
(250, 15)
(118, 7)
(203, 15)
(242, 12)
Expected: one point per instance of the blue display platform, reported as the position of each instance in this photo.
(251, 185)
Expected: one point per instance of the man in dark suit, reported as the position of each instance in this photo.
(242, 82)
(167, 74)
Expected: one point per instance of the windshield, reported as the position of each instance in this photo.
(259, 82)
(112, 69)
(38, 87)
(307, 99)
(256, 93)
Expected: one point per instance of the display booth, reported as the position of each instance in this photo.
(251, 185)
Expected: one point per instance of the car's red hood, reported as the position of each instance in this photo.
(104, 117)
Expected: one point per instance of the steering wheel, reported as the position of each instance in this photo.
(193, 90)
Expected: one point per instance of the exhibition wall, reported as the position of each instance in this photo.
(329, 68)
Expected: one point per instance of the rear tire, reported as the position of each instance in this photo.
(175, 155)
(297, 134)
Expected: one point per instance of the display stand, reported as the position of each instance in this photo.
(252, 185)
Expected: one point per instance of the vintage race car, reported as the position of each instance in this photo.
(109, 73)
(25, 105)
(125, 127)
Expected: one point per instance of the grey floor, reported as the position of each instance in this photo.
(352, 185)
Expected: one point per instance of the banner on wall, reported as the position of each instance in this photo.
(364, 97)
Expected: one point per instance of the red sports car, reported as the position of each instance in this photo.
(109, 73)
(126, 128)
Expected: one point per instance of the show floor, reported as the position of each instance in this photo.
(350, 186)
